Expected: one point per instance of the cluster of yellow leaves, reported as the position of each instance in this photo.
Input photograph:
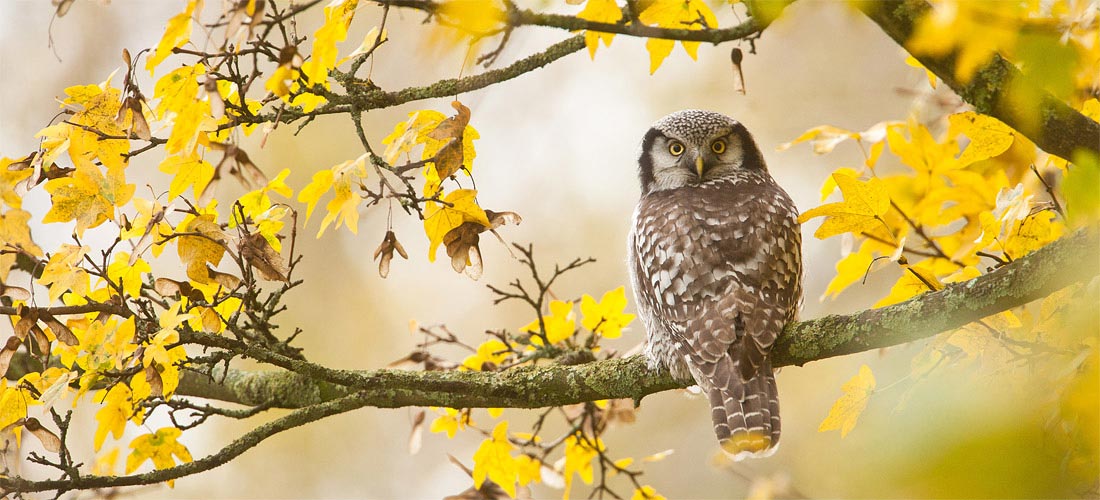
(966, 194)
(456, 219)
(90, 194)
(669, 14)
(605, 318)
(951, 205)
(343, 179)
(500, 458)
(338, 17)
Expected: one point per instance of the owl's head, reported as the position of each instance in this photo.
(694, 146)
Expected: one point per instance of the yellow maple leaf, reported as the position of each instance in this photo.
(97, 114)
(177, 89)
(188, 170)
(439, 218)
(923, 154)
(675, 14)
(118, 407)
(15, 232)
(87, 196)
(477, 18)
(493, 460)
(317, 187)
(846, 411)
(450, 421)
(13, 404)
(258, 207)
(560, 323)
(343, 207)
(9, 179)
(852, 268)
(407, 134)
(177, 33)
(915, 280)
(579, 453)
(823, 138)
(863, 207)
(338, 16)
(127, 275)
(1033, 233)
(178, 94)
(528, 468)
(606, 317)
(206, 246)
(307, 101)
(161, 447)
(829, 186)
(277, 82)
(600, 11)
(989, 137)
(491, 351)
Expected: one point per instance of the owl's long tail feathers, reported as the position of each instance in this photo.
(746, 414)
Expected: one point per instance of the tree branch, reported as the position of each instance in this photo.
(1050, 123)
(1062, 263)
(229, 452)
(377, 99)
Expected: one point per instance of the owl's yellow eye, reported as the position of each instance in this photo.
(676, 148)
(718, 146)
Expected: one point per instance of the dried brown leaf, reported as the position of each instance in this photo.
(227, 281)
(258, 253)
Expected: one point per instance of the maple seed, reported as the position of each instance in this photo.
(49, 440)
(259, 254)
(384, 253)
(9, 350)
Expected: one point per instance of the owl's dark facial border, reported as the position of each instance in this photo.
(753, 159)
(645, 163)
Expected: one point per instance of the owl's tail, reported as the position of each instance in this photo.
(746, 414)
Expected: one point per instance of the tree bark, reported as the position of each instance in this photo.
(1073, 259)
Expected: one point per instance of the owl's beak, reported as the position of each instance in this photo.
(699, 166)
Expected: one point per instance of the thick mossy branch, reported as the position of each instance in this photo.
(1070, 260)
(998, 89)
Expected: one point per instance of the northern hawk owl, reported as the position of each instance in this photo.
(716, 266)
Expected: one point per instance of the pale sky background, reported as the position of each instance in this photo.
(558, 146)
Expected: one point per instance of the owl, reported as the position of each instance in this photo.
(716, 266)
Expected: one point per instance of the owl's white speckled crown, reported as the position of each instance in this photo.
(694, 124)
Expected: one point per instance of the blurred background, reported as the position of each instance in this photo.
(559, 146)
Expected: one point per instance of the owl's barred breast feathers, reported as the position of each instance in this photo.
(715, 262)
